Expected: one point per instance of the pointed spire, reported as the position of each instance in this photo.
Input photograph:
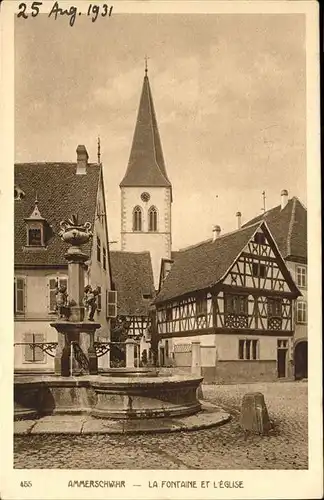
(146, 70)
(146, 163)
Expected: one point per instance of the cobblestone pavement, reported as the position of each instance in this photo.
(224, 447)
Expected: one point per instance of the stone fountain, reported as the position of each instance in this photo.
(127, 400)
(76, 336)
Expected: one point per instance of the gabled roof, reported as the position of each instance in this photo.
(201, 266)
(204, 265)
(60, 193)
(132, 276)
(146, 165)
(288, 227)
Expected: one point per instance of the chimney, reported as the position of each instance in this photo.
(216, 232)
(82, 160)
(284, 198)
(239, 222)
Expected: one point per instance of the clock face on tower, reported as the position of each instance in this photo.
(145, 196)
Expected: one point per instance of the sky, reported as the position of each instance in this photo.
(230, 97)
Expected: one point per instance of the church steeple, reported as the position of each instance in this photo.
(146, 191)
(146, 165)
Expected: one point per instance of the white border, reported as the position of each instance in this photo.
(52, 484)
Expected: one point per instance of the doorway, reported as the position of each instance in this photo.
(282, 352)
(162, 356)
(301, 364)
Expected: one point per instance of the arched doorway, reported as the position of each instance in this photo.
(301, 360)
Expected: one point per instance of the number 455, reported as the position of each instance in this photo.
(26, 484)
(34, 8)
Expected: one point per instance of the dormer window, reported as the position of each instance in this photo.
(35, 237)
(35, 228)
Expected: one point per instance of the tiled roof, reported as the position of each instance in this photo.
(146, 163)
(288, 227)
(203, 265)
(132, 276)
(60, 193)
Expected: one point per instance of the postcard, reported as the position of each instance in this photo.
(163, 249)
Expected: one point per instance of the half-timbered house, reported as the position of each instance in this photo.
(288, 225)
(132, 277)
(234, 294)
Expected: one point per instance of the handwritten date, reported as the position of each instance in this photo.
(93, 11)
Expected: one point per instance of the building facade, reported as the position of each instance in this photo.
(288, 224)
(235, 295)
(132, 278)
(45, 194)
(146, 191)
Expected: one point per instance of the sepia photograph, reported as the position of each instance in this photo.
(162, 257)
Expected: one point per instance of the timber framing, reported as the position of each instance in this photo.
(255, 296)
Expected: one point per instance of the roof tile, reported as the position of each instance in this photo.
(132, 276)
(60, 193)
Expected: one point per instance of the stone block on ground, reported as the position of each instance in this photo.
(200, 394)
(254, 414)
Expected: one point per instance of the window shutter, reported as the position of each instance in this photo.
(39, 354)
(99, 298)
(20, 295)
(52, 284)
(111, 304)
(29, 337)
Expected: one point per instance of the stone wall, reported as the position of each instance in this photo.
(233, 372)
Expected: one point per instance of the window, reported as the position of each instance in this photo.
(19, 295)
(166, 345)
(259, 238)
(236, 304)
(258, 270)
(99, 298)
(301, 312)
(248, 349)
(53, 284)
(33, 353)
(98, 249)
(168, 314)
(111, 298)
(104, 258)
(35, 237)
(153, 219)
(301, 277)
(201, 306)
(137, 219)
(282, 344)
(274, 307)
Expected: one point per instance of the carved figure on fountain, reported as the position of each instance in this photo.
(90, 301)
(61, 301)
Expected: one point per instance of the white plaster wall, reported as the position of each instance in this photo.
(23, 327)
(37, 291)
(300, 329)
(228, 346)
(157, 243)
(99, 276)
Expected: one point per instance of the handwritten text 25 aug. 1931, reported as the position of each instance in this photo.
(32, 9)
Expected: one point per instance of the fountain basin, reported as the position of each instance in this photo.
(105, 397)
(130, 372)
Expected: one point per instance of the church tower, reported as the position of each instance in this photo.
(146, 192)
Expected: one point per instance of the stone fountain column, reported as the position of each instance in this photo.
(71, 324)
